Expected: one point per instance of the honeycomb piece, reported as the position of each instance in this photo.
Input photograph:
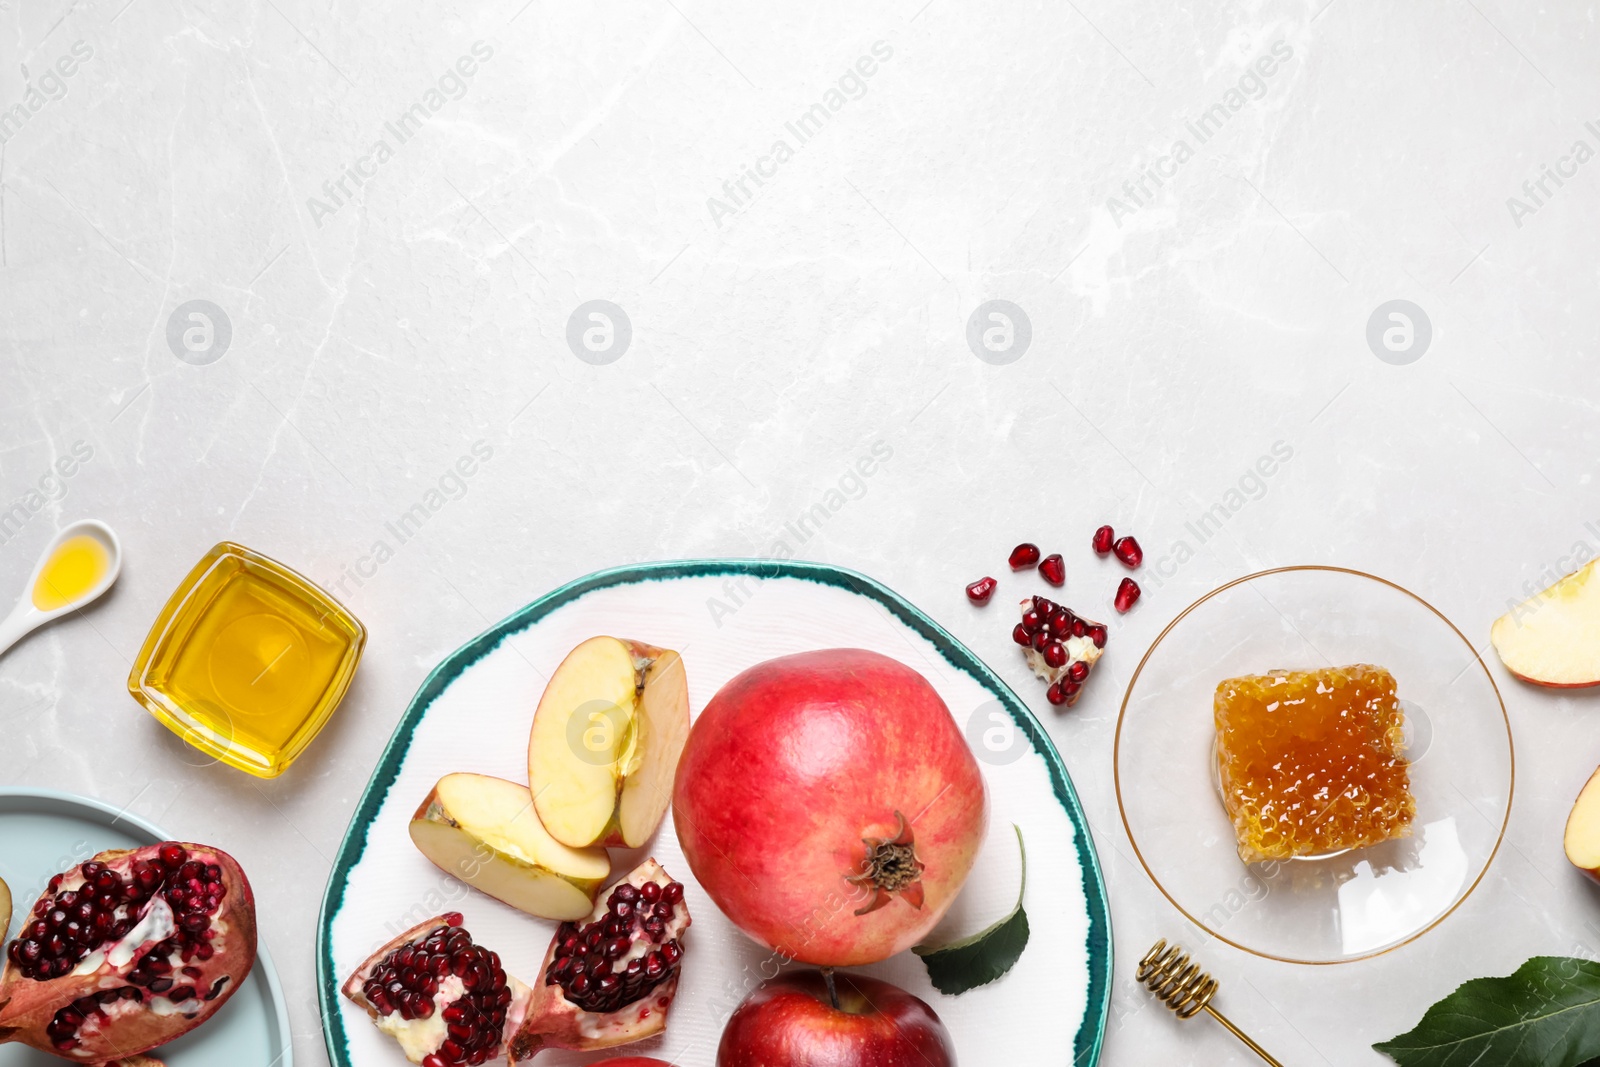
(1311, 761)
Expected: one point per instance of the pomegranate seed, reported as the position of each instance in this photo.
(1055, 654)
(1097, 634)
(1061, 623)
(1053, 569)
(1078, 671)
(1102, 540)
(1127, 594)
(454, 918)
(1055, 694)
(1031, 620)
(1045, 608)
(981, 590)
(1023, 556)
(1039, 640)
(1069, 687)
(1019, 634)
(1129, 552)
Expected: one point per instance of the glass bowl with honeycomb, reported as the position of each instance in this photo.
(1313, 764)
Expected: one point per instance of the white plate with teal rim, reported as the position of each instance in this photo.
(43, 832)
(473, 714)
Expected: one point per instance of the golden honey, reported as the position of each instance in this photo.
(1312, 762)
(74, 568)
(248, 660)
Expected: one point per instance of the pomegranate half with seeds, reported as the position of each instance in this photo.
(446, 999)
(127, 951)
(609, 980)
(830, 806)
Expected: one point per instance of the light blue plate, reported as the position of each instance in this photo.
(45, 832)
(473, 713)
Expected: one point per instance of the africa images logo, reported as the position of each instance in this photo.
(451, 85)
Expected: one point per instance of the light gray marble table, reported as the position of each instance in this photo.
(395, 219)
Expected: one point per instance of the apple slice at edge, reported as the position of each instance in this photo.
(661, 729)
(5, 910)
(1552, 639)
(1581, 839)
(485, 832)
(581, 726)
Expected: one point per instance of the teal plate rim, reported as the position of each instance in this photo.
(1091, 1034)
(102, 812)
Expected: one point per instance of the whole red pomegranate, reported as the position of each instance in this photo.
(127, 951)
(830, 806)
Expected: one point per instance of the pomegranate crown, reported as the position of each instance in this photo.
(890, 867)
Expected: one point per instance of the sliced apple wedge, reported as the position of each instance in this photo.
(1582, 838)
(605, 742)
(1553, 638)
(484, 831)
(5, 910)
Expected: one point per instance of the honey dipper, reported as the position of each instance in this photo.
(1180, 984)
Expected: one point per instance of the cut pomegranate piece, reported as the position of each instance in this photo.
(446, 999)
(981, 590)
(1102, 540)
(1128, 551)
(1053, 569)
(1127, 594)
(127, 951)
(610, 980)
(1061, 648)
(1023, 556)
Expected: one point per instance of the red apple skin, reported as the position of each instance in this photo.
(791, 1021)
(791, 766)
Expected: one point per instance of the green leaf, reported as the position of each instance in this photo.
(1547, 1014)
(985, 956)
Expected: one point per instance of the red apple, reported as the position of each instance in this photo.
(830, 806)
(792, 1020)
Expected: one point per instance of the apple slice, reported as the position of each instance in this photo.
(605, 742)
(5, 910)
(1553, 638)
(1582, 838)
(484, 831)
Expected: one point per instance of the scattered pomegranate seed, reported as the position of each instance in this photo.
(1102, 540)
(1128, 551)
(1053, 569)
(1024, 555)
(1127, 594)
(981, 590)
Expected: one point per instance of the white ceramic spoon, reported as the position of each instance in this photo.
(27, 616)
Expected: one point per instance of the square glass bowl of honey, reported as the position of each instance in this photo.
(247, 661)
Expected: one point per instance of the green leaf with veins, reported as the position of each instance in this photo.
(985, 956)
(1547, 1014)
